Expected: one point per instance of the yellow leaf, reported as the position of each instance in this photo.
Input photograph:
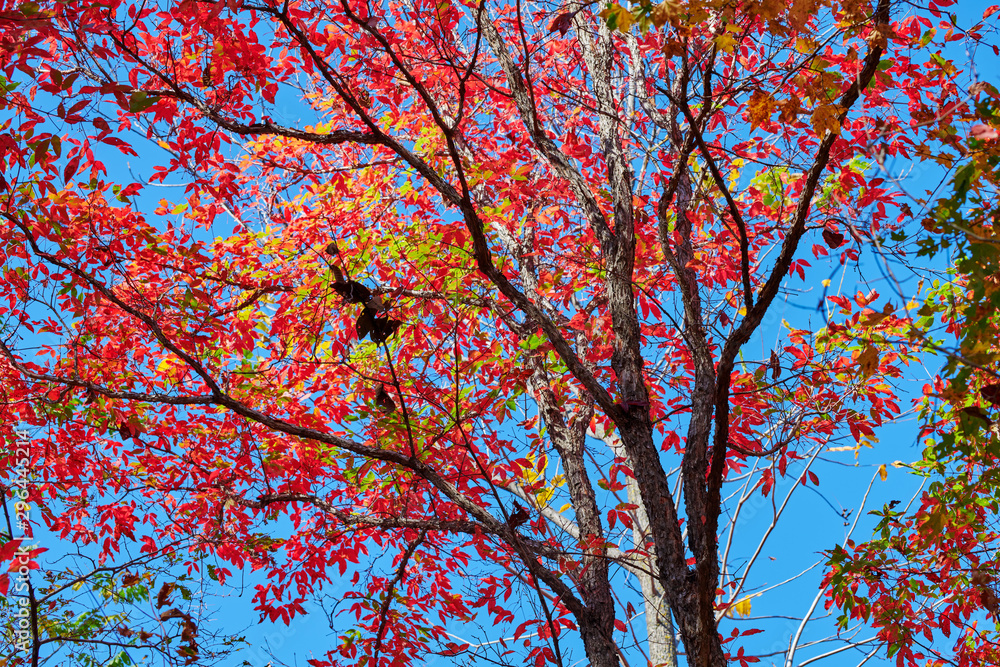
(805, 45)
(531, 475)
(741, 608)
(726, 42)
(882, 472)
(618, 18)
(545, 495)
(735, 173)
(625, 20)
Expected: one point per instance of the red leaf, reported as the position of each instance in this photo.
(71, 168)
(518, 516)
(562, 23)
(832, 238)
(991, 393)
(130, 190)
(8, 550)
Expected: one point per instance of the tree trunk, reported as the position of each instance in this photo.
(659, 621)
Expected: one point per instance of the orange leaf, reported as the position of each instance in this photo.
(759, 108)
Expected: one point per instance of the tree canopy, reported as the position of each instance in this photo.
(508, 315)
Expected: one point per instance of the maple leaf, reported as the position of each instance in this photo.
(868, 361)
(771, 9)
(977, 412)
(128, 430)
(377, 303)
(617, 17)
(759, 108)
(172, 613)
(789, 109)
(826, 118)
(365, 323)
(672, 48)
(726, 42)
(666, 12)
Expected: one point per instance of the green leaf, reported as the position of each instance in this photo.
(141, 100)
(963, 180)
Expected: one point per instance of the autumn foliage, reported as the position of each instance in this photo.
(482, 308)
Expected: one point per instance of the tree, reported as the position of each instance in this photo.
(929, 576)
(90, 614)
(483, 302)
